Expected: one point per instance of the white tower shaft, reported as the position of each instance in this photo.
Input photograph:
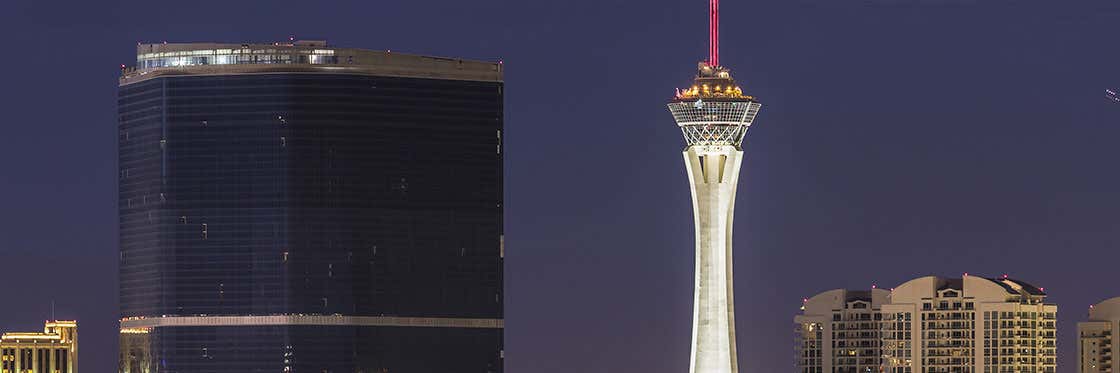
(713, 174)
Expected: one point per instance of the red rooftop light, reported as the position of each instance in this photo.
(713, 32)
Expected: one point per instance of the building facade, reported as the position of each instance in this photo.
(969, 325)
(1097, 336)
(936, 325)
(838, 331)
(294, 207)
(55, 350)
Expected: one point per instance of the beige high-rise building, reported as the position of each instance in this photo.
(1097, 336)
(939, 325)
(838, 331)
(55, 350)
(969, 325)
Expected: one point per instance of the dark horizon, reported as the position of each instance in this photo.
(897, 139)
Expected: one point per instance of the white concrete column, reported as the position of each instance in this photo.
(713, 172)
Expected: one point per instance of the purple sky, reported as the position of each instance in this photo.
(898, 138)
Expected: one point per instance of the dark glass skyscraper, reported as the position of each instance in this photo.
(293, 207)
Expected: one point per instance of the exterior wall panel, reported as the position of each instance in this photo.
(310, 194)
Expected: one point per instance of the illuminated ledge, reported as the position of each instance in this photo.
(386, 71)
(179, 59)
(28, 336)
(424, 322)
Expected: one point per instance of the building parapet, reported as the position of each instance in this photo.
(176, 59)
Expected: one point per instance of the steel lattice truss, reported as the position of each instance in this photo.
(716, 122)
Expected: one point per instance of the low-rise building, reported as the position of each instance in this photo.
(55, 350)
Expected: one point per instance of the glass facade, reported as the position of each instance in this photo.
(310, 194)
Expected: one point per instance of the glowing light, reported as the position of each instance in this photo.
(708, 92)
(713, 32)
(40, 336)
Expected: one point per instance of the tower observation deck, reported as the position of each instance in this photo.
(713, 111)
(713, 115)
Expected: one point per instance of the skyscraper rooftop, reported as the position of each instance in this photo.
(161, 59)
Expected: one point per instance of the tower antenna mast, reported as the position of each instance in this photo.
(713, 33)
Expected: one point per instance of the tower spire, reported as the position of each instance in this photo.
(713, 32)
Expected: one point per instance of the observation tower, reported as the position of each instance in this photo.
(713, 114)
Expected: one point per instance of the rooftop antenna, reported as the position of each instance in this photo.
(52, 310)
(713, 33)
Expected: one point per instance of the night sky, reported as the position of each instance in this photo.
(897, 139)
